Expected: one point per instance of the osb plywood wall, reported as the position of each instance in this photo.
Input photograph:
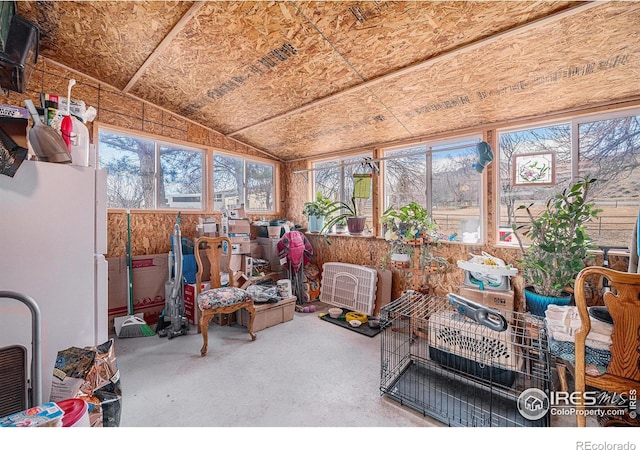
(150, 231)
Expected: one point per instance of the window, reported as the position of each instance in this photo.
(606, 147)
(143, 173)
(441, 177)
(334, 179)
(238, 181)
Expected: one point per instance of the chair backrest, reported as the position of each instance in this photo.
(623, 303)
(218, 253)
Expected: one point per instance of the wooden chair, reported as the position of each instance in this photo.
(218, 299)
(623, 303)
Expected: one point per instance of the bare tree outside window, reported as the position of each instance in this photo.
(608, 149)
(231, 190)
(146, 174)
(440, 177)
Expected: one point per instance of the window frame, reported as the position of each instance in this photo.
(573, 122)
(245, 161)
(208, 153)
(429, 144)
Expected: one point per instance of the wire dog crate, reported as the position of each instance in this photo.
(462, 363)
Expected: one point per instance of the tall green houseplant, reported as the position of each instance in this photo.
(559, 243)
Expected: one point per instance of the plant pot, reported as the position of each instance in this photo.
(401, 260)
(316, 223)
(537, 303)
(355, 225)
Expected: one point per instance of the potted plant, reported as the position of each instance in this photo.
(341, 226)
(558, 248)
(348, 212)
(405, 227)
(316, 212)
(408, 223)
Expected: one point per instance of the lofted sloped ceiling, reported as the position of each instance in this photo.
(302, 79)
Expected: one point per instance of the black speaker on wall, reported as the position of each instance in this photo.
(20, 54)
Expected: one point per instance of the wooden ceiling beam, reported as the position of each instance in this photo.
(184, 20)
(428, 62)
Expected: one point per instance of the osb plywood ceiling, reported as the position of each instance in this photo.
(302, 79)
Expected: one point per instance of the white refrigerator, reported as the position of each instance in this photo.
(53, 238)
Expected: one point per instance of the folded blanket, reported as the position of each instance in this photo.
(564, 321)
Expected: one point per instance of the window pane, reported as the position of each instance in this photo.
(439, 176)
(130, 163)
(456, 193)
(228, 181)
(259, 187)
(336, 183)
(556, 138)
(406, 177)
(180, 183)
(609, 150)
(327, 179)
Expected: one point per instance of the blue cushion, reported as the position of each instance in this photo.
(226, 296)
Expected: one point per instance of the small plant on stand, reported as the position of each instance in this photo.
(411, 228)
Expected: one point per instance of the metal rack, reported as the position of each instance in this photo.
(438, 361)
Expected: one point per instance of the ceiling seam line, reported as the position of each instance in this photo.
(330, 43)
(425, 63)
(177, 28)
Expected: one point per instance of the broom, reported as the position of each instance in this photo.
(132, 325)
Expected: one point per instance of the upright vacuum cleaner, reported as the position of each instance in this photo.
(173, 322)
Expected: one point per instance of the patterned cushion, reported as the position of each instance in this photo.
(226, 296)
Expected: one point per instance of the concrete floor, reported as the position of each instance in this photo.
(301, 373)
(304, 372)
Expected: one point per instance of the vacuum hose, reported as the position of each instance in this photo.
(177, 259)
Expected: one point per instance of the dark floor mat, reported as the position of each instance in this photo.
(364, 329)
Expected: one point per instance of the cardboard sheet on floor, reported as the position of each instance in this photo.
(364, 329)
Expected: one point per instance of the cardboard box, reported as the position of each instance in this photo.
(190, 306)
(239, 226)
(240, 245)
(269, 314)
(224, 319)
(150, 273)
(383, 289)
(256, 250)
(503, 300)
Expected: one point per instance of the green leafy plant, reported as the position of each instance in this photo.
(341, 211)
(319, 207)
(559, 243)
(409, 228)
(407, 223)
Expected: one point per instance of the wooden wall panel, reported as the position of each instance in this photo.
(581, 68)
(350, 122)
(122, 33)
(379, 37)
(251, 60)
(368, 251)
(589, 59)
